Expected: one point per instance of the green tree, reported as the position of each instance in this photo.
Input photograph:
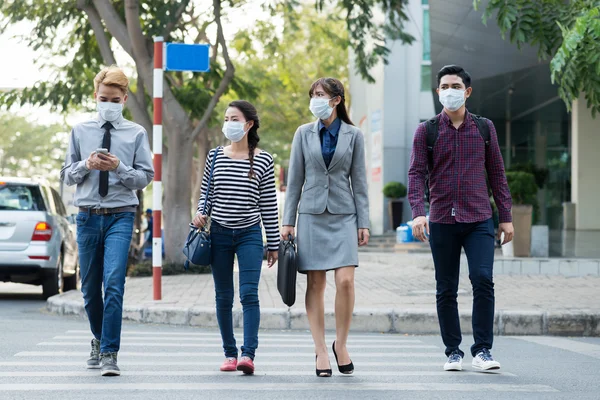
(30, 150)
(567, 32)
(282, 68)
(85, 33)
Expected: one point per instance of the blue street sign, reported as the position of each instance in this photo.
(187, 57)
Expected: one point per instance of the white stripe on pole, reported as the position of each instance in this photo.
(157, 137)
(158, 83)
(157, 252)
(157, 195)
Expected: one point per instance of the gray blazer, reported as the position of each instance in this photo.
(341, 188)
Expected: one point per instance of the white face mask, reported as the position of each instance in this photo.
(110, 111)
(320, 108)
(452, 99)
(234, 130)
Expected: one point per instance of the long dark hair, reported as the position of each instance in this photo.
(333, 87)
(250, 114)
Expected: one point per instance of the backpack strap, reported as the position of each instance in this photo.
(432, 127)
(483, 128)
(432, 133)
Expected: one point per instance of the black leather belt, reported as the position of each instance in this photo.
(106, 211)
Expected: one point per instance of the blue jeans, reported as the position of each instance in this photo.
(103, 242)
(247, 244)
(446, 242)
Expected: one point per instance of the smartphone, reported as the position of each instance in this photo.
(102, 151)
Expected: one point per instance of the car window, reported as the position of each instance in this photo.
(58, 203)
(17, 197)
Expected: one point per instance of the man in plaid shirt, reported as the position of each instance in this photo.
(460, 213)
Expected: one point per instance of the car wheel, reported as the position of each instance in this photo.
(70, 282)
(53, 284)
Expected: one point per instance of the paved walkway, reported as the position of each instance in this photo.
(408, 282)
(394, 293)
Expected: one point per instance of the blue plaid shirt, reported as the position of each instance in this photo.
(329, 138)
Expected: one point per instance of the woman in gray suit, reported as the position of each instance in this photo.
(327, 187)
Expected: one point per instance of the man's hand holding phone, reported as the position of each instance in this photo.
(102, 160)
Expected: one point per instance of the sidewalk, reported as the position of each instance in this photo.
(394, 293)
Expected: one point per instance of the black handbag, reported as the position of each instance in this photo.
(197, 247)
(287, 271)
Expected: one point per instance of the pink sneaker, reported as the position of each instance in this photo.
(246, 365)
(229, 364)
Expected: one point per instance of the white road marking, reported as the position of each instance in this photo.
(157, 363)
(262, 338)
(94, 373)
(220, 355)
(278, 387)
(587, 349)
(262, 346)
(270, 334)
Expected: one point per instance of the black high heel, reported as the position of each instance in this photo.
(323, 373)
(344, 369)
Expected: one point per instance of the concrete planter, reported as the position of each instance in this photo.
(522, 215)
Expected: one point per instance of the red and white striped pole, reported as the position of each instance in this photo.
(157, 186)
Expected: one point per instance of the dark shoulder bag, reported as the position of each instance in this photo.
(197, 245)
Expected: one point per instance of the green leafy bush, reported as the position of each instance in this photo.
(523, 187)
(394, 190)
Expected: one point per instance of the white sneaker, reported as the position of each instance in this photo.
(484, 361)
(454, 362)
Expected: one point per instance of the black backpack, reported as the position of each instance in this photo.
(432, 126)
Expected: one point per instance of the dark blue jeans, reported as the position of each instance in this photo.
(247, 244)
(446, 242)
(103, 242)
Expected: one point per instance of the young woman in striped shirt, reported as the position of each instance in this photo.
(242, 193)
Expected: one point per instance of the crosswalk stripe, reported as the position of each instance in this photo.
(204, 345)
(92, 373)
(588, 349)
(216, 337)
(277, 386)
(269, 334)
(195, 354)
(157, 363)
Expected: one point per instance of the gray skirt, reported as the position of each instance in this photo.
(326, 241)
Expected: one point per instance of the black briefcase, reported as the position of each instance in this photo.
(287, 271)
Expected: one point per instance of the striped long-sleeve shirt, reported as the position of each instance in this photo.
(236, 201)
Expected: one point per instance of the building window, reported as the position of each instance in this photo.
(426, 36)
(425, 77)
(426, 59)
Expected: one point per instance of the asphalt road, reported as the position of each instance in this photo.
(42, 357)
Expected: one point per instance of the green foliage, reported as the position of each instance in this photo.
(394, 190)
(568, 32)
(28, 150)
(523, 188)
(281, 67)
(540, 174)
(145, 269)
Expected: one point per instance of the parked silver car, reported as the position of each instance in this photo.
(37, 239)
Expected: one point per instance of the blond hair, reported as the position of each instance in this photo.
(112, 76)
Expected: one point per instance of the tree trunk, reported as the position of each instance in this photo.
(202, 149)
(177, 209)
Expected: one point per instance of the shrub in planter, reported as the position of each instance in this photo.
(394, 191)
(523, 187)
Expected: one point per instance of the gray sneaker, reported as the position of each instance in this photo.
(108, 364)
(94, 361)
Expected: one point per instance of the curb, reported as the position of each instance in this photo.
(406, 321)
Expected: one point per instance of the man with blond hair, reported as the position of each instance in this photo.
(109, 159)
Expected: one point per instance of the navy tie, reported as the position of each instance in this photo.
(103, 188)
